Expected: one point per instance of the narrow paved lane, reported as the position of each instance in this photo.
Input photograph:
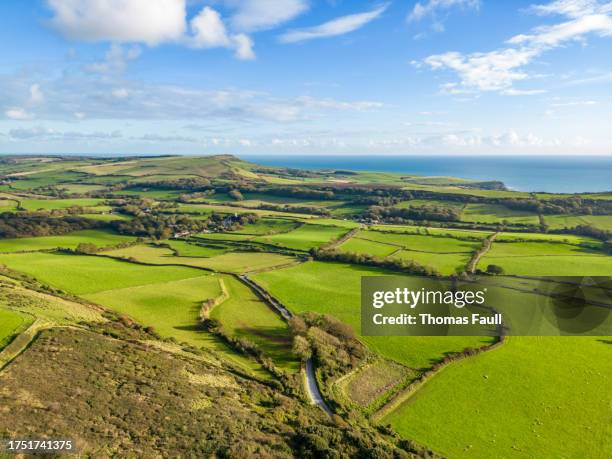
(310, 379)
(313, 389)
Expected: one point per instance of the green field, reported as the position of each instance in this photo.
(81, 274)
(533, 397)
(81, 188)
(11, 323)
(305, 237)
(49, 204)
(69, 241)
(151, 194)
(421, 243)
(450, 232)
(444, 263)
(564, 238)
(167, 298)
(446, 255)
(429, 202)
(318, 286)
(273, 199)
(571, 221)
(106, 217)
(347, 210)
(269, 226)
(349, 224)
(239, 262)
(362, 246)
(224, 236)
(547, 259)
(244, 315)
(185, 249)
(207, 209)
(171, 307)
(45, 178)
(235, 262)
(495, 213)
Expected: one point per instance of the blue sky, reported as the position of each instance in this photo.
(306, 76)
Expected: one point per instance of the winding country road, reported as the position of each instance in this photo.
(310, 378)
(313, 389)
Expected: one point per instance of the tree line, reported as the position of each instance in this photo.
(15, 225)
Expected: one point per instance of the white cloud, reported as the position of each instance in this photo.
(209, 31)
(498, 70)
(253, 15)
(573, 8)
(243, 47)
(120, 93)
(141, 21)
(36, 94)
(575, 103)
(312, 102)
(431, 7)
(48, 134)
(600, 78)
(154, 138)
(18, 113)
(335, 27)
(146, 21)
(493, 71)
(575, 29)
(522, 92)
(115, 60)
(75, 97)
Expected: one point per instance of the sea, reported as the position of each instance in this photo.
(552, 174)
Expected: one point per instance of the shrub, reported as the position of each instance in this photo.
(495, 269)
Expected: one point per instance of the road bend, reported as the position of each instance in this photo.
(310, 378)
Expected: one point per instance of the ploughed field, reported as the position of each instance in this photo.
(134, 260)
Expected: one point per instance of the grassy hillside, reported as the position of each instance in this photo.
(517, 401)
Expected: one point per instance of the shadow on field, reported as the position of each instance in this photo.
(277, 335)
(193, 328)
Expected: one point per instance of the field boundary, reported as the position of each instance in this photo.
(342, 239)
(210, 304)
(478, 254)
(22, 341)
(407, 249)
(405, 394)
(274, 268)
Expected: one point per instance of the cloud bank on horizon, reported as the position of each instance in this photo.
(305, 76)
